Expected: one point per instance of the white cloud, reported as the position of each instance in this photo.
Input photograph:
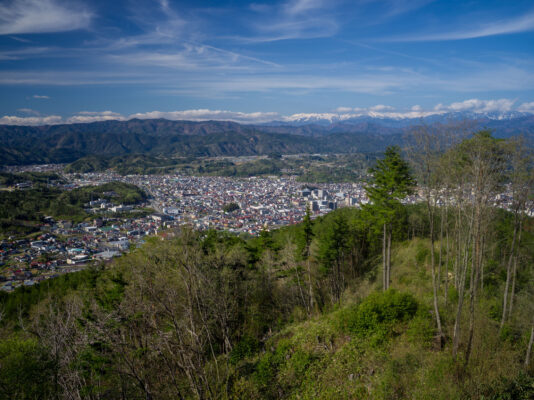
(28, 111)
(38, 96)
(526, 107)
(47, 120)
(478, 106)
(90, 116)
(193, 57)
(40, 16)
(381, 107)
(295, 19)
(28, 52)
(523, 23)
(344, 109)
(300, 6)
(340, 114)
(206, 115)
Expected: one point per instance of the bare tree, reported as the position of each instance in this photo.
(424, 153)
(521, 182)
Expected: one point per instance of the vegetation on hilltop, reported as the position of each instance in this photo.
(316, 169)
(300, 312)
(10, 179)
(20, 210)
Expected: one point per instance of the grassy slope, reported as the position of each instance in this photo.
(341, 355)
(326, 358)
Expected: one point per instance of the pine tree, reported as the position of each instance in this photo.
(391, 182)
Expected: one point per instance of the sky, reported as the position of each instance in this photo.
(64, 61)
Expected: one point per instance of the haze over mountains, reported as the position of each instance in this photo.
(320, 133)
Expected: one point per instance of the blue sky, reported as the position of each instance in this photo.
(82, 61)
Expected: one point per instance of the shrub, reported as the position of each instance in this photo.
(26, 370)
(246, 347)
(377, 314)
(421, 329)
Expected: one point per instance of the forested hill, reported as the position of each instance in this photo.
(389, 301)
(69, 142)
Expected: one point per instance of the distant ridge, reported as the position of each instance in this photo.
(69, 142)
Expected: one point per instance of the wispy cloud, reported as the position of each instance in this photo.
(523, 23)
(27, 52)
(191, 56)
(295, 19)
(295, 7)
(41, 16)
(28, 111)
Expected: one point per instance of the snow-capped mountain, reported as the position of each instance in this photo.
(394, 119)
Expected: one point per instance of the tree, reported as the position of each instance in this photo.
(391, 182)
(478, 165)
(230, 207)
(333, 252)
(304, 243)
(424, 152)
(521, 178)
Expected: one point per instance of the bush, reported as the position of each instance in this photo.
(246, 347)
(421, 329)
(520, 388)
(26, 370)
(377, 314)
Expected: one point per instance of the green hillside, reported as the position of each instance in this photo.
(215, 316)
(390, 301)
(21, 211)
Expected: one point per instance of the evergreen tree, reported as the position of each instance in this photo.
(391, 182)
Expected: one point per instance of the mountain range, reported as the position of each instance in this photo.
(365, 134)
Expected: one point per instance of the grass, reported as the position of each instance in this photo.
(381, 346)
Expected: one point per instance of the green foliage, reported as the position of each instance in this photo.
(421, 329)
(246, 347)
(230, 207)
(269, 363)
(377, 315)
(25, 208)
(213, 315)
(519, 388)
(26, 370)
(21, 301)
(9, 179)
(392, 179)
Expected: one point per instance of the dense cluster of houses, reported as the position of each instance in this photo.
(64, 247)
(257, 204)
(263, 203)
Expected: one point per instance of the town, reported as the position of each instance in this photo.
(241, 206)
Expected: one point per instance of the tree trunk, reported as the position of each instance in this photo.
(475, 268)
(508, 277)
(433, 267)
(447, 265)
(514, 271)
(388, 278)
(461, 288)
(384, 260)
(310, 285)
(441, 245)
(529, 347)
